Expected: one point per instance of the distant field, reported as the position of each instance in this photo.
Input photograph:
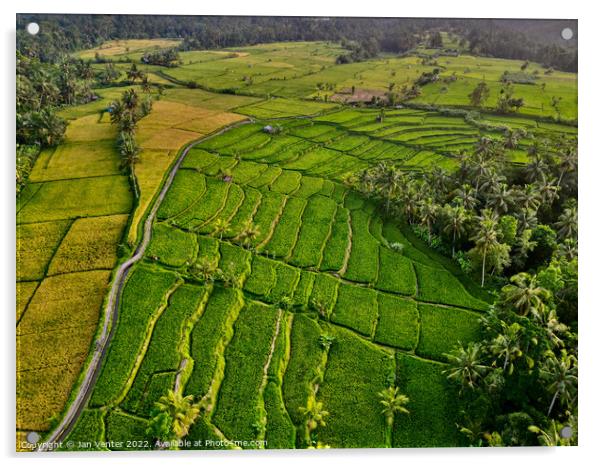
(127, 46)
(308, 70)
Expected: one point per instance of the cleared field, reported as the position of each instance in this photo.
(117, 47)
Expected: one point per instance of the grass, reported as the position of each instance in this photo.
(305, 358)
(164, 349)
(82, 159)
(434, 406)
(324, 292)
(304, 288)
(210, 336)
(88, 430)
(235, 260)
(338, 242)
(36, 244)
(187, 186)
(262, 278)
(245, 212)
(315, 227)
(25, 291)
(127, 432)
(90, 244)
(396, 273)
(210, 204)
(443, 328)
(143, 297)
(356, 371)
(74, 198)
(117, 47)
(267, 213)
(51, 345)
(286, 230)
(440, 286)
(363, 260)
(237, 412)
(286, 280)
(171, 246)
(398, 322)
(356, 308)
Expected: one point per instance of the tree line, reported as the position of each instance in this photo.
(67, 33)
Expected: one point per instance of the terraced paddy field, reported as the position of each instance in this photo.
(320, 265)
(315, 303)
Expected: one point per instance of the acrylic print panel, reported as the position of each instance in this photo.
(292, 233)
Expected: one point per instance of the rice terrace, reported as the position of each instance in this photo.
(354, 233)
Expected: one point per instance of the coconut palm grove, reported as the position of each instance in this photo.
(295, 233)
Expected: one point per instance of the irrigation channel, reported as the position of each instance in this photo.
(103, 340)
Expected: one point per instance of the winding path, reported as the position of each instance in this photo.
(112, 308)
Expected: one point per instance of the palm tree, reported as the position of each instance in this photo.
(181, 409)
(456, 221)
(568, 163)
(49, 126)
(525, 295)
(501, 198)
(315, 416)
(116, 111)
(529, 197)
(393, 402)
(221, 226)
(128, 149)
(537, 170)
(438, 179)
(466, 367)
(160, 426)
(567, 223)
(409, 201)
(248, 234)
(491, 181)
(387, 180)
(130, 99)
(486, 239)
(568, 249)
(511, 139)
(467, 196)
(561, 373)
(428, 214)
(527, 219)
(548, 191)
(133, 73)
(551, 436)
(507, 345)
(146, 84)
(552, 326)
(481, 170)
(203, 269)
(523, 246)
